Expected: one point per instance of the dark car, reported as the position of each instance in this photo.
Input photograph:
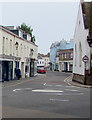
(41, 70)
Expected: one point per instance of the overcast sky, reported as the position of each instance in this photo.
(51, 21)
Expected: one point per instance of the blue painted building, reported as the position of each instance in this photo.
(62, 45)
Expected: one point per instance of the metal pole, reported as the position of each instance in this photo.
(85, 75)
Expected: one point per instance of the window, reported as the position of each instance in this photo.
(3, 46)
(10, 47)
(75, 54)
(6, 44)
(65, 55)
(80, 54)
(71, 55)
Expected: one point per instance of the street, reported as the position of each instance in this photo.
(45, 96)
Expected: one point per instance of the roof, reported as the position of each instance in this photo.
(10, 32)
(87, 15)
(42, 55)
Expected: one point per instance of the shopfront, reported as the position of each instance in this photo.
(31, 67)
(7, 70)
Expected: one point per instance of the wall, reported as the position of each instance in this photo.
(80, 36)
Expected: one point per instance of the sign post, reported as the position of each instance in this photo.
(85, 59)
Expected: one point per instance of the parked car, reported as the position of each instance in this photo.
(41, 70)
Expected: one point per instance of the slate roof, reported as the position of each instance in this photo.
(87, 15)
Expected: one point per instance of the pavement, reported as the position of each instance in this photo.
(74, 83)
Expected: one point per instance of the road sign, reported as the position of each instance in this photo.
(85, 59)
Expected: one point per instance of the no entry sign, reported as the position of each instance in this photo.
(85, 59)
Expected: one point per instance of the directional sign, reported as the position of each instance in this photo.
(85, 59)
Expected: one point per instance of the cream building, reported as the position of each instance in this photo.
(43, 60)
(16, 52)
(46, 61)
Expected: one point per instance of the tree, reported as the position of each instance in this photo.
(26, 28)
(33, 39)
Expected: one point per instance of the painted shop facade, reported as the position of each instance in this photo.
(61, 56)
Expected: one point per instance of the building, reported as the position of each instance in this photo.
(56, 47)
(82, 68)
(16, 52)
(65, 60)
(40, 61)
(43, 60)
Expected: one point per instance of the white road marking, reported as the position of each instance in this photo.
(71, 90)
(64, 94)
(72, 86)
(16, 90)
(69, 86)
(43, 90)
(51, 85)
(44, 84)
(60, 100)
(59, 85)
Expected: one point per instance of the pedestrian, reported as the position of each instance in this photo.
(18, 73)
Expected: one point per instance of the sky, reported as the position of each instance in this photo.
(51, 21)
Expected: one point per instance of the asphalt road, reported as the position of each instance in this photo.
(45, 96)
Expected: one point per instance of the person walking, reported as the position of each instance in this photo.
(18, 73)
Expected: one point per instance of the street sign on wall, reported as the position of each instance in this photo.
(85, 59)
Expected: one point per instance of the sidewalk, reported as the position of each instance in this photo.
(73, 83)
(23, 80)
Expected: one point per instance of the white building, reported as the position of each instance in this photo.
(81, 46)
(40, 62)
(46, 61)
(43, 60)
(16, 52)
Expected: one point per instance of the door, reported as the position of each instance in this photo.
(66, 66)
(22, 70)
(5, 70)
(31, 68)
